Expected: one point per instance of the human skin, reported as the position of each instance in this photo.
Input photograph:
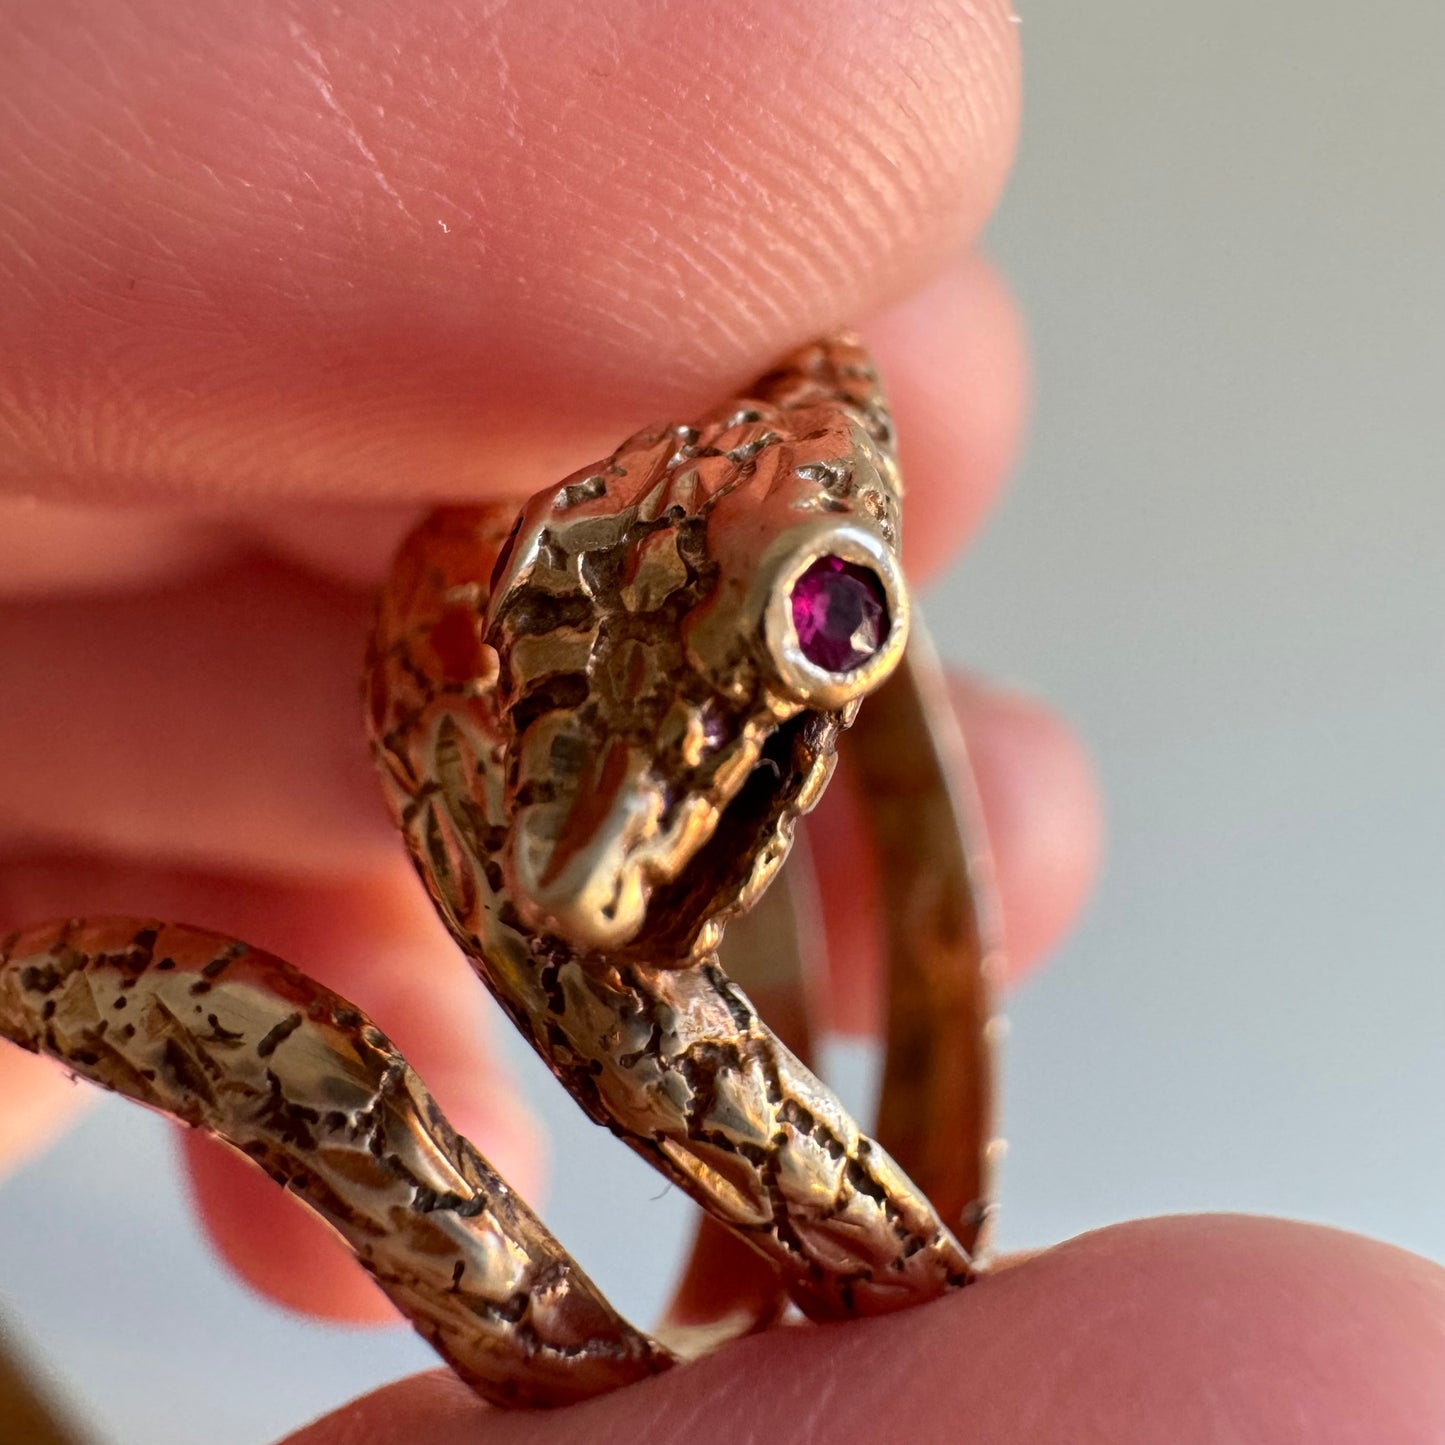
(272, 278)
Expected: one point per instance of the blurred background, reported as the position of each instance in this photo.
(1221, 558)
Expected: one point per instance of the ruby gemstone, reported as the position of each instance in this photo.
(840, 612)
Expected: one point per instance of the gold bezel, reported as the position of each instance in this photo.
(803, 680)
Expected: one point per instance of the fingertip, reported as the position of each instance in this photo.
(1198, 1331)
(550, 201)
(1043, 814)
(40, 1099)
(954, 360)
(273, 1243)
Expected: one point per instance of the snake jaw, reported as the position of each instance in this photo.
(591, 882)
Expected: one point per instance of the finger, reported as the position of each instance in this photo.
(954, 361)
(213, 723)
(1199, 1331)
(1043, 812)
(376, 941)
(1042, 817)
(49, 546)
(40, 1099)
(217, 722)
(952, 357)
(361, 251)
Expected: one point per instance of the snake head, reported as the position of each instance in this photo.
(682, 632)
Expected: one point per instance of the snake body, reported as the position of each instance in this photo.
(596, 733)
(556, 712)
(227, 1038)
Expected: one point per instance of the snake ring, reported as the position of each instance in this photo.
(598, 719)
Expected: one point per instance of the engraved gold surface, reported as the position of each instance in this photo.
(936, 1109)
(905, 754)
(597, 729)
(227, 1038)
(597, 737)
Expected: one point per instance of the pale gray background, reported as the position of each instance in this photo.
(1221, 557)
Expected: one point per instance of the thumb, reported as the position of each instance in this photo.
(1214, 1330)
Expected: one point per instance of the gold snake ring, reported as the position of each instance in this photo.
(597, 721)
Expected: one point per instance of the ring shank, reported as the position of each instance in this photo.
(906, 755)
(225, 1037)
(937, 1106)
(675, 1061)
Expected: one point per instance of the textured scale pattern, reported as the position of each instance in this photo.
(596, 729)
(650, 1036)
(227, 1038)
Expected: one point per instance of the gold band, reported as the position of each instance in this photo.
(673, 1059)
(597, 731)
(232, 1040)
(905, 756)
(598, 722)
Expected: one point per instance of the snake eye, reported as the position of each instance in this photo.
(835, 614)
(840, 613)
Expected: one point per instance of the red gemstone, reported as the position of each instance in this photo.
(840, 612)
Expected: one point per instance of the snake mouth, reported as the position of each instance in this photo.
(647, 851)
(752, 837)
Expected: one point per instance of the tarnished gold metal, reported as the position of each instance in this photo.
(598, 726)
(597, 733)
(936, 1111)
(226, 1038)
(905, 755)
